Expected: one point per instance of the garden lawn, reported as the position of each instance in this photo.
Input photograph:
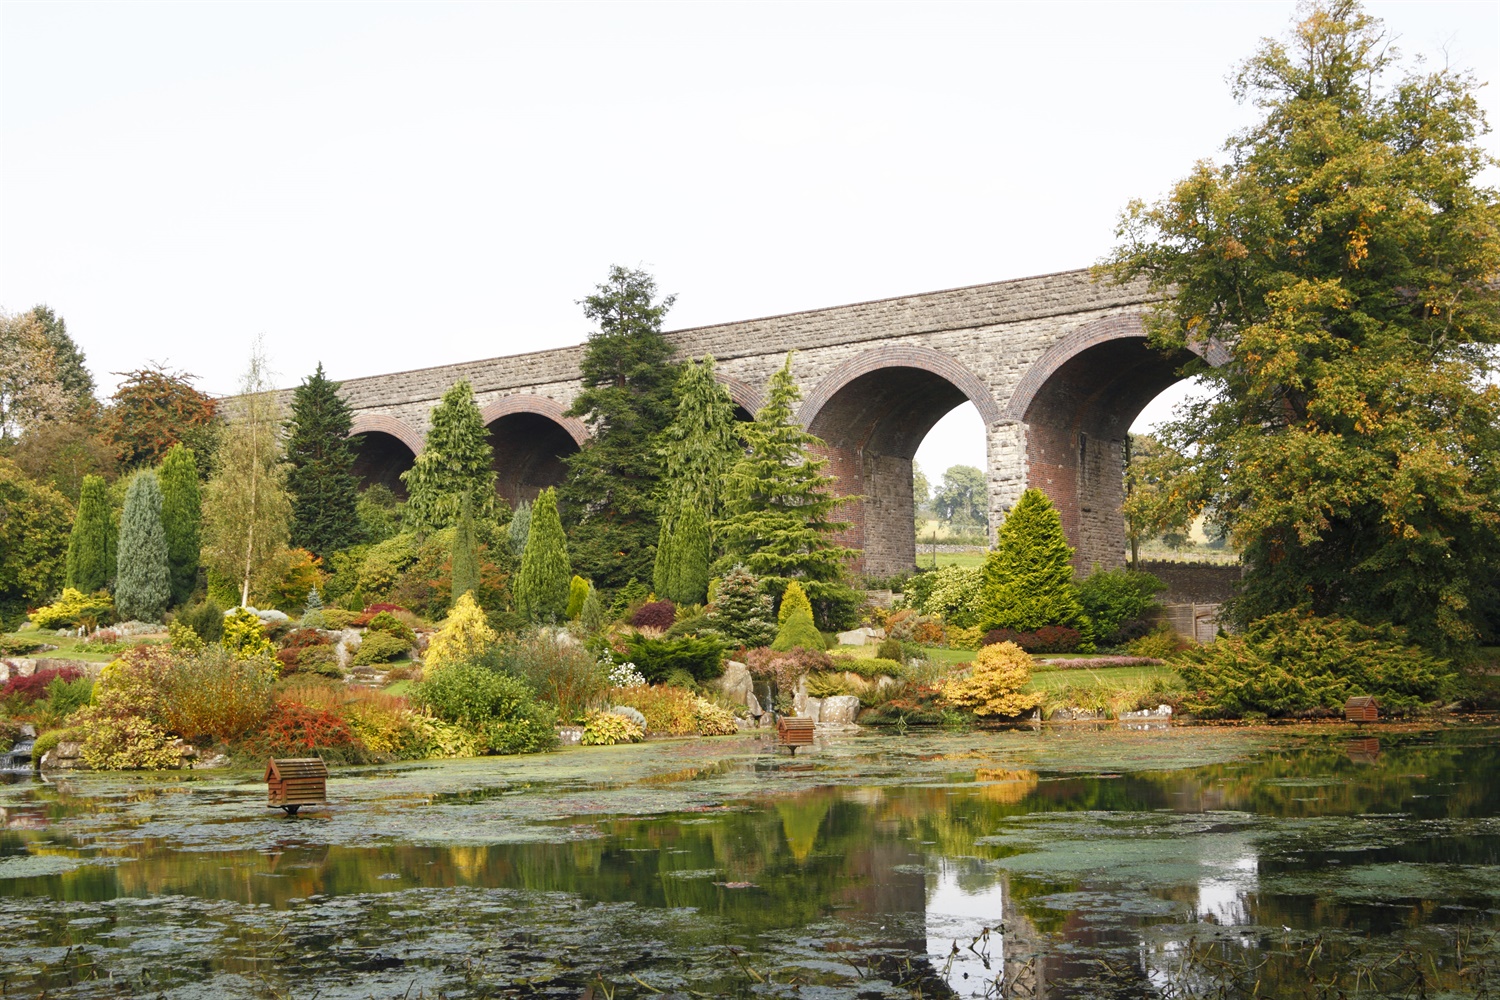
(69, 647)
(966, 559)
(1048, 680)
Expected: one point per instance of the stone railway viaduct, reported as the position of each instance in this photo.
(1056, 365)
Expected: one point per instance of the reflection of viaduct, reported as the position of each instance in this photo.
(1057, 367)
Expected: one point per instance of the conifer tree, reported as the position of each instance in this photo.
(699, 448)
(465, 559)
(796, 628)
(793, 598)
(456, 461)
(779, 505)
(181, 519)
(542, 583)
(143, 579)
(247, 513)
(1028, 576)
(91, 546)
(320, 468)
(591, 615)
(741, 610)
(520, 525)
(578, 594)
(628, 378)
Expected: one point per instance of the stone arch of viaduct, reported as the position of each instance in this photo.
(1057, 367)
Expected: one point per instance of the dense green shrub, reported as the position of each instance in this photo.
(578, 592)
(91, 545)
(606, 729)
(558, 670)
(824, 684)
(380, 647)
(797, 628)
(206, 619)
(1028, 577)
(952, 593)
(1115, 599)
(1298, 664)
(128, 743)
(701, 656)
(244, 635)
(870, 668)
(741, 611)
(541, 590)
(388, 623)
(498, 707)
(890, 649)
(181, 519)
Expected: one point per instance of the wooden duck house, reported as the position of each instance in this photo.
(1362, 708)
(294, 782)
(794, 732)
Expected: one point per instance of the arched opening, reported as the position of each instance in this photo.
(952, 521)
(380, 457)
(529, 451)
(530, 437)
(1078, 402)
(872, 414)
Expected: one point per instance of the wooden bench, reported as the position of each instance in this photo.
(1362, 708)
(794, 732)
(294, 782)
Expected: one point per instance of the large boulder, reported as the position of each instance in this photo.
(839, 710)
(737, 684)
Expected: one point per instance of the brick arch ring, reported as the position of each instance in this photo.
(743, 393)
(382, 423)
(542, 406)
(904, 356)
(1100, 331)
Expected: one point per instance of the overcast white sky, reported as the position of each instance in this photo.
(390, 186)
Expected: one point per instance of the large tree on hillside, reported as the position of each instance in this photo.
(1345, 254)
(609, 496)
(963, 498)
(31, 391)
(457, 461)
(320, 468)
(154, 408)
(34, 521)
(699, 447)
(71, 372)
(247, 512)
(779, 506)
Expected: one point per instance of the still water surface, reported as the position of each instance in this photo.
(1068, 862)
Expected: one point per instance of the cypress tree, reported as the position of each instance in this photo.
(610, 494)
(181, 519)
(1028, 576)
(143, 578)
(91, 546)
(456, 461)
(578, 593)
(520, 525)
(779, 505)
(465, 561)
(699, 448)
(320, 468)
(542, 584)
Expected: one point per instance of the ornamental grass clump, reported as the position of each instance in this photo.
(213, 696)
(992, 686)
(675, 711)
(1298, 664)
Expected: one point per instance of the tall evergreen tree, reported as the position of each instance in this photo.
(320, 468)
(1028, 576)
(520, 527)
(143, 578)
(542, 583)
(699, 448)
(456, 461)
(247, 513)
(1344, 256)
(465, 558)
(181, 519)
(91, 546)
(71, 372)
(779, 505)
(628, 378)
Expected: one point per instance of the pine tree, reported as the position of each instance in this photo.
(91, 546)
(71, 372)
(320, 468)
(247, 513)
(520, 525)
(143, 577)
(1028, 576)
(796, 628)
(779, 505)
(741, 610)
(456, 461)
(542, 584)
(699, 449)
(465, 560)
(628, 379)
(181, 519)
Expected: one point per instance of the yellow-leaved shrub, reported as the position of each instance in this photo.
(465, 636)
(992, 687)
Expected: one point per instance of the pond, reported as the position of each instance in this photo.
(1068, 861)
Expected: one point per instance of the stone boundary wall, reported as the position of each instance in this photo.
(1194, 583)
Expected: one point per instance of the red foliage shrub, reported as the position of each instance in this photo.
(372, 610)
(34, 688)
(1047, 639)
(657, 614)
(785, 668)
(297, 730)
(303, 638)
(288, 658)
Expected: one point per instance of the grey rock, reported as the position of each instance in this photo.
(841, 710)
(736, 684)
(752, 705)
